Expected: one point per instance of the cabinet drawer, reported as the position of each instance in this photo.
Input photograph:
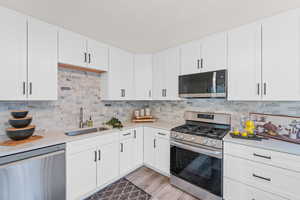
(234, 190)
(268, 178)
(162, 133)
(284, 160)
(124, 135)
(93, 142)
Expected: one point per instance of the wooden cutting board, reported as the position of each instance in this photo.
(144, 120)
(18, 142)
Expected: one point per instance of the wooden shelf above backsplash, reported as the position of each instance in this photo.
(79, 68)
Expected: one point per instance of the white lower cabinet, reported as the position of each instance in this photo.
(149, 146)
(126, 158)
(138, 147)
(108, 163)
(81, 174)
(250, 168)
(91, 164)
(237, 191)
(157, 149)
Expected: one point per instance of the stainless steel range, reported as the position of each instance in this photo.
(197, 154)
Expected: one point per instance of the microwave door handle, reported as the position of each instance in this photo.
(214, 82)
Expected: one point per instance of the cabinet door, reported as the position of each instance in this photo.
(121, 75)
(13, 51)
(172, 73)
(126, 158)
(72, 48)
(81, 173)
(97, 55)
(138, 152)
(214, 52)
(190, 56)
(162, 155)
(244, 63)
(143, 76)
(149, 146)
(42, 60)
(108, 163)
(159, 73)
(280, 53)
(236, 191)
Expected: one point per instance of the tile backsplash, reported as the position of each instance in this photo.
(82, 89)
(75, 89)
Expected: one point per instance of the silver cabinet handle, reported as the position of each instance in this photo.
(123, 93)
(90, 58)
(30, 88)
(99, 154)
(201, 63)
(85, 57)
(24, 88)
(165, 92)
(261, 177)
(154, 143)
(265, 88)
(258, 89)
(149, 93)
(122, 147)
(95, 159)
(126, 134)
(162, 92)
(261, 156)
(162, 134)
(134, 134)
(198, 64)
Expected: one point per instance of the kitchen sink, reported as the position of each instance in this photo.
(85, 131)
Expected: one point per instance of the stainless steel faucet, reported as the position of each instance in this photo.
(81, 123)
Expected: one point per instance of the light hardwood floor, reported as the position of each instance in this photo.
(157, 185)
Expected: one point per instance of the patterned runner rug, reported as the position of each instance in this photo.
(121, 190)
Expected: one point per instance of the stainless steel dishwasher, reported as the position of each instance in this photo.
(34, 175)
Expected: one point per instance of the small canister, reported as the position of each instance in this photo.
(136, 113)
(142, 112)
(147, 111)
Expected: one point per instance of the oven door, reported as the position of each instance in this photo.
(201, 167)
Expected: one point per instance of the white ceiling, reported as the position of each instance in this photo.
(148, 25)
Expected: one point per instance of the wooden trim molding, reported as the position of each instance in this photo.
(79, 68)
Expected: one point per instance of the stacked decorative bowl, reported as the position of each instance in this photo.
(21, 128)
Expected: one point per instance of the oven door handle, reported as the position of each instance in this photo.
(190, 147)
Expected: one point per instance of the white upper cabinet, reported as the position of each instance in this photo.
(280, 57)
(158, 77)
(214, 52)
(166, 70)
(190, 57)
(72, 48)
(77, 50)
(118, 83)
(244, 63)
(97, 55)
(13, 51)
(143, 76)
(172, 73)
(42, 60)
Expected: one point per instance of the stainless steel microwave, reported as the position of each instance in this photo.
(203, 85)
